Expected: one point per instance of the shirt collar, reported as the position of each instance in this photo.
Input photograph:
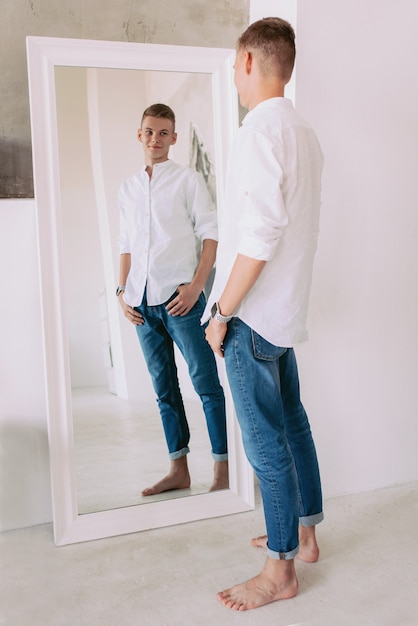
(160, 166)
(263, 106)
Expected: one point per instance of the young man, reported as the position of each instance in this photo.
(168, 241)
(259, 304)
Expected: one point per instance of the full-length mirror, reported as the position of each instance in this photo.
(106, 439)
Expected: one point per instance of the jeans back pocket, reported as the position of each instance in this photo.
(264, 350)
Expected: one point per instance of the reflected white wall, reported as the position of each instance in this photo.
(84, 278)
(99, 112)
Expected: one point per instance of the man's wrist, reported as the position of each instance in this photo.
(120, 289)
(217, 315)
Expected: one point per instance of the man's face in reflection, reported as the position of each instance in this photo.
(156, 135)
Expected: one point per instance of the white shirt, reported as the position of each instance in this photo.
(272, 202)
(163, 221)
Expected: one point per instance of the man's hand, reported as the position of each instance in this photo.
(186, 298)
(215, 335)
(130, 313)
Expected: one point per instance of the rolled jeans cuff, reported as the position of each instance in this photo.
(173, 456)
(220, 457)
(282, 556)
(311, 520)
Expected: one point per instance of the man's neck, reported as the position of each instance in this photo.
(266, 91)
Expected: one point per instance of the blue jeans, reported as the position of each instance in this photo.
(156, 337)
(276, 435)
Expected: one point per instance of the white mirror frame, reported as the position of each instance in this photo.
(44, 54)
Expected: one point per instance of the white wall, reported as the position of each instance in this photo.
(24, 464)
(357, 86)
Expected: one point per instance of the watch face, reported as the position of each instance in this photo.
(214, 309)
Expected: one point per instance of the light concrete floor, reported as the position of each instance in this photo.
(366, 576)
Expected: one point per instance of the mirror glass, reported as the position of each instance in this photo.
(94, 123)
(106, 437)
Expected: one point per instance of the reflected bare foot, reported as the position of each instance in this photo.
(277, 581)
(177, 478)
(308, 547)
(220, 476)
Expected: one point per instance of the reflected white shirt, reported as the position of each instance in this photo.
(163, 221)
(272, 202)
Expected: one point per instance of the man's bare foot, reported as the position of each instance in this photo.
(177, 478)
(220, 476)
(277, 581)
(259, 542)
(308, 547)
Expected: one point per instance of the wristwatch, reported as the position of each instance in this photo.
(120, 289)
(217, 315)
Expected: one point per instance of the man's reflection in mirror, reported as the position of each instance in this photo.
(168, 240)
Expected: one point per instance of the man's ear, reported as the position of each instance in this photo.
(174, 139)
(139, 134)
(248, 61)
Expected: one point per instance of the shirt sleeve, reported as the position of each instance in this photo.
(259, 180)
(201, 209)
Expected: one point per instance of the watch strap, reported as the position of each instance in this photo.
(217, 315)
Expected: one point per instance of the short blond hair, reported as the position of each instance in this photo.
(272, 42)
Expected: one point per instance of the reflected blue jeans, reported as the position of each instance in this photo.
(156, 337)
(276, 435)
